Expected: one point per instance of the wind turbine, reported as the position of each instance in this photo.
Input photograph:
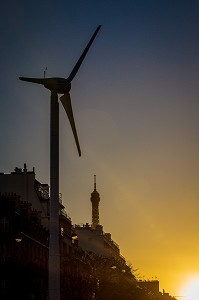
(57, 86)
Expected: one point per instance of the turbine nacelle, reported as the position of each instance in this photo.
(57, 84)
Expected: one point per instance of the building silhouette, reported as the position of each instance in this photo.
(23, 250)
(24, 247)
(91, 264)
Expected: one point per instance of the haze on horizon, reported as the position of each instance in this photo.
(136, 108)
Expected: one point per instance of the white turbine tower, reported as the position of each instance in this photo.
(58, 86)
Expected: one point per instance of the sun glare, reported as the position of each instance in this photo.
(190, 290)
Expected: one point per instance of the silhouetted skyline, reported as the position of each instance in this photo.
(136, 109)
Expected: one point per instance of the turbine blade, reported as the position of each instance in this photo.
(66, 102)
(80, 60)
(34, 80)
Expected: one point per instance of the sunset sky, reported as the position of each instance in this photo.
(136, 107)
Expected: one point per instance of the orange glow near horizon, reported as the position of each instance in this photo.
(190, 288)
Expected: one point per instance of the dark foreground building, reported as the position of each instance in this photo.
(23, 250)
(24, 237)
(91, 267)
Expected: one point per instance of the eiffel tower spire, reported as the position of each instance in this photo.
(95, 199)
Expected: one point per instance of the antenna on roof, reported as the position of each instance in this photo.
(95, 182)
(45, 72)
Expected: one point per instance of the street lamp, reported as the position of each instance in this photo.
(18, 238)
(74, 238)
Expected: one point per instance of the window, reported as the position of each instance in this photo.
(4, 224)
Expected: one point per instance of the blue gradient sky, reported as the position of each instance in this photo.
(135, 101)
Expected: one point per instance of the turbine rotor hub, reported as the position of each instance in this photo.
(59, 85)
